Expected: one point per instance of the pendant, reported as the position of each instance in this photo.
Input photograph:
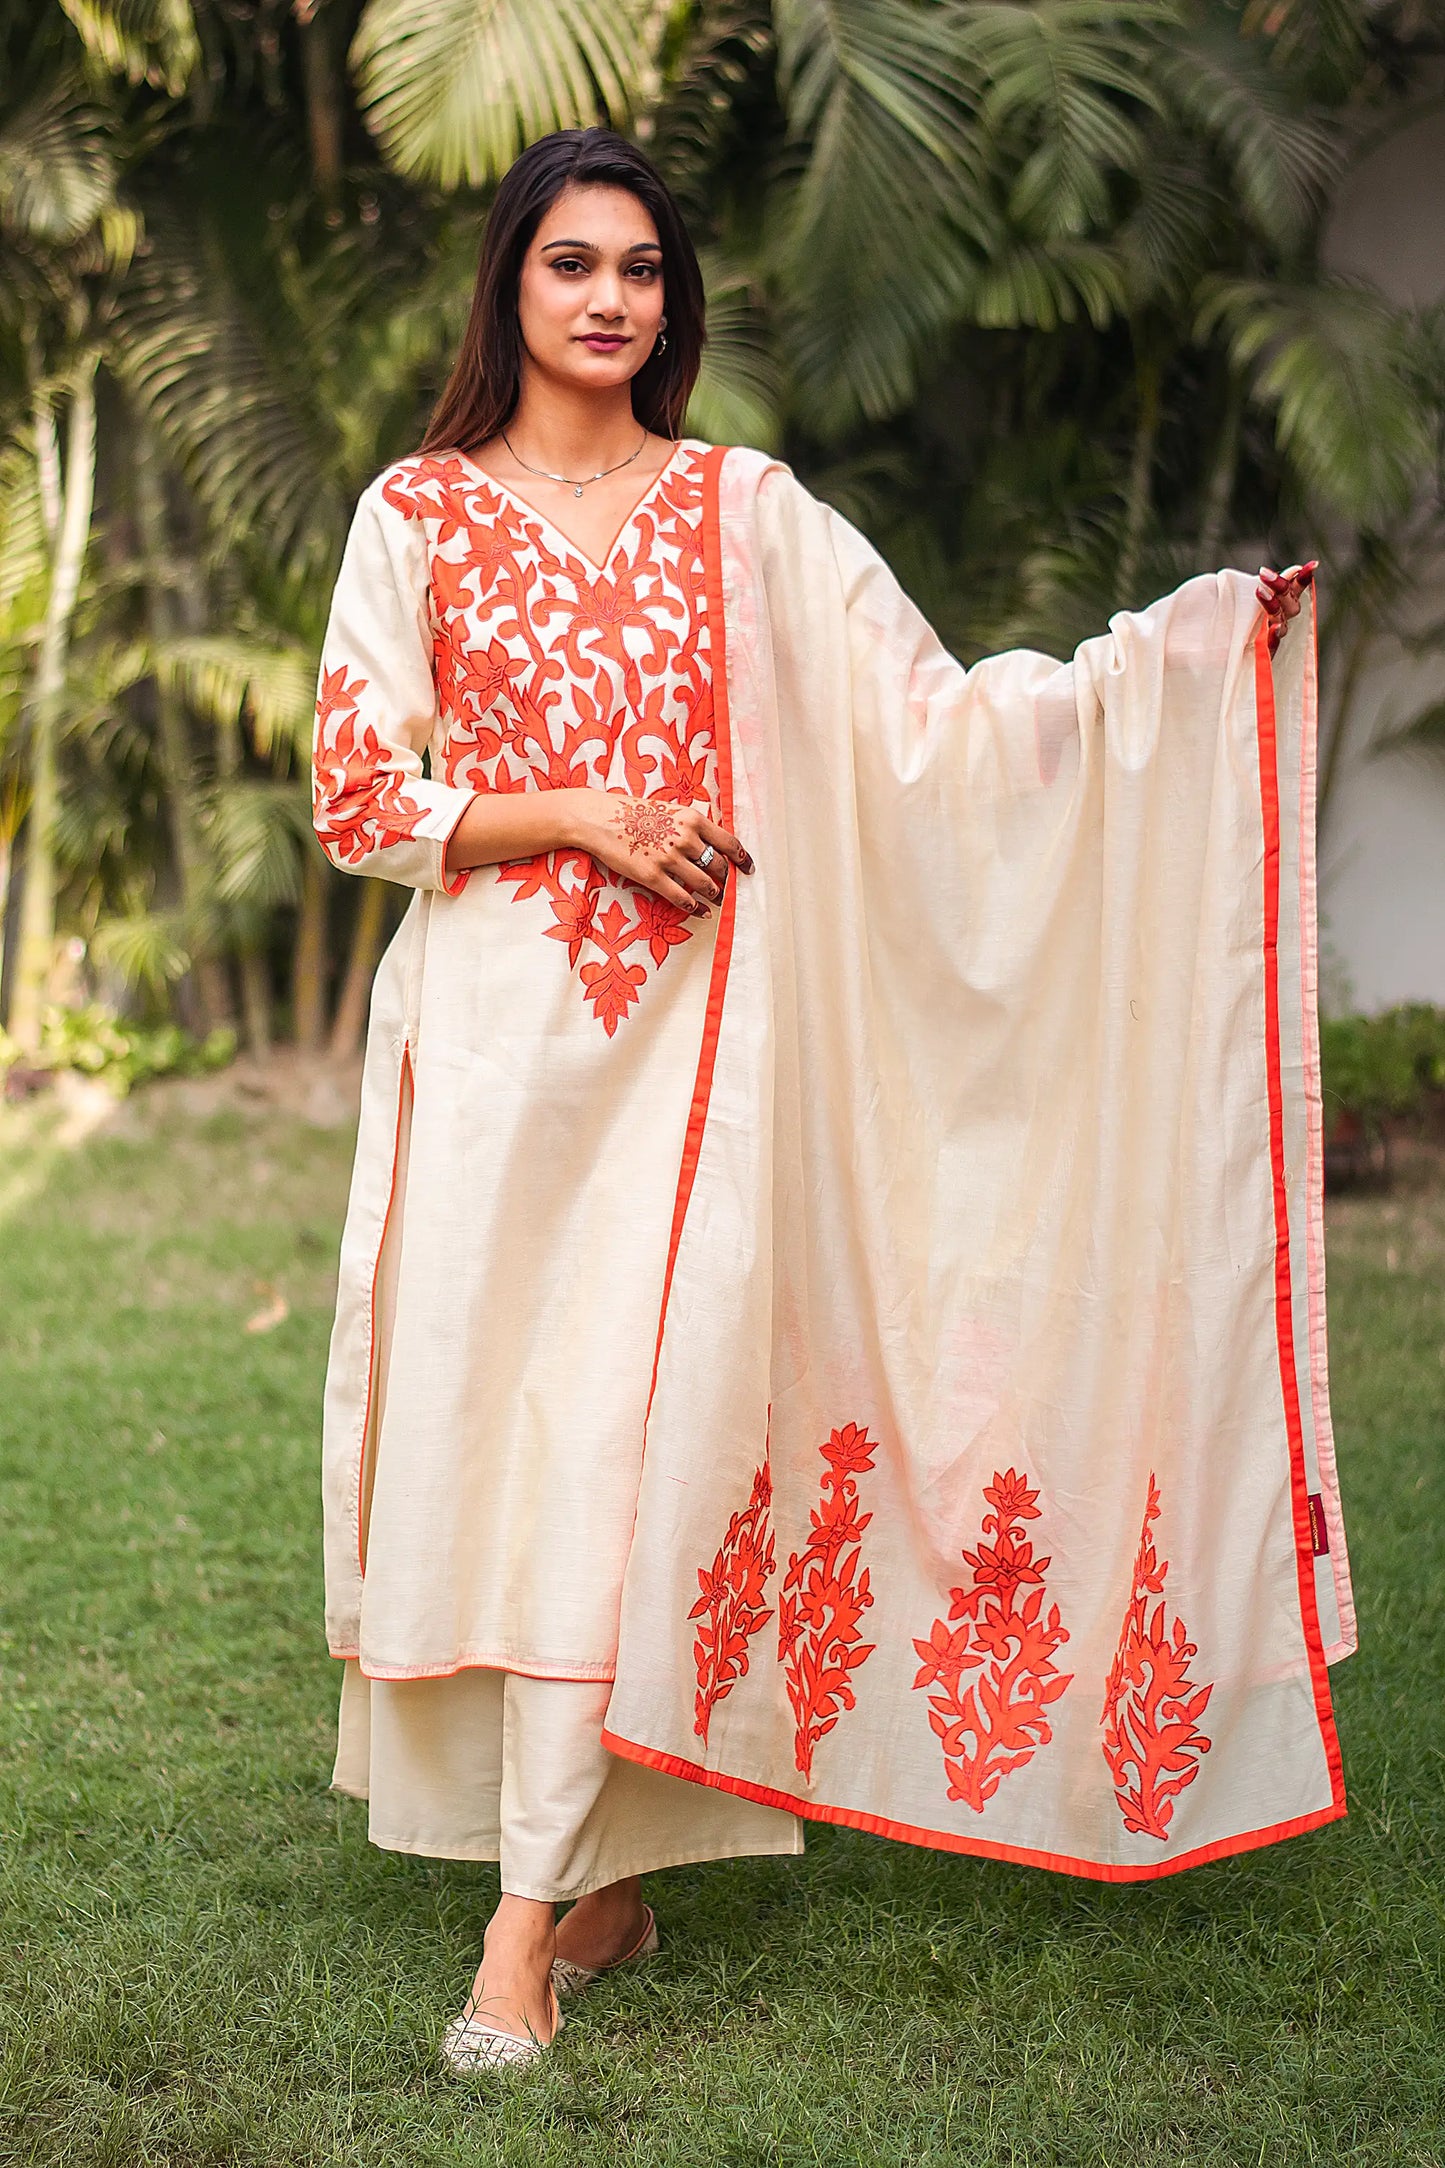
(578, 490)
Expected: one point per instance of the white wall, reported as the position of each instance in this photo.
(1382, 847)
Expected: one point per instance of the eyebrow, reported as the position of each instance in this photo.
(630, 249)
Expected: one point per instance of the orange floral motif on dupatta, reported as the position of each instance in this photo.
(995, 1723)
(556, 674)
(732, 1605)
(824, 1596)
(1151, 1705)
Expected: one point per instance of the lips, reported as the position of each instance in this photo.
(601, 344)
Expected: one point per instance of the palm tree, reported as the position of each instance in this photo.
(65, 236)
(1034, 292)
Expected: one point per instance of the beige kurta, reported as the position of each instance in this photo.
(988, 1494)
(525, 1170)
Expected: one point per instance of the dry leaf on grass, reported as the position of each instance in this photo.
(274, 1311)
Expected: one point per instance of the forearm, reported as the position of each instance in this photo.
(507, 824)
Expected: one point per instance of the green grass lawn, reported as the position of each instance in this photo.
(203, 1961)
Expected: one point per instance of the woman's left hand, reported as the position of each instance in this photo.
(1279, 594)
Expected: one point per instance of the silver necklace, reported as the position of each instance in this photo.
(575, 486)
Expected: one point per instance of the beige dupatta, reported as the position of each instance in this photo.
(988, 1498)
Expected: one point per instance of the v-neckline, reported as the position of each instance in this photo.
(599, 572)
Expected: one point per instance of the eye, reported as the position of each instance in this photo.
(568, 263)
(649, 271)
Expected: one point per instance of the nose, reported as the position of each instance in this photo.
(605, 297)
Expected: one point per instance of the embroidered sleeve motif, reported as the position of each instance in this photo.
(361, 804)
(823, 1597)
(732, 1606)
(1151, 1705)
(1002, 1641)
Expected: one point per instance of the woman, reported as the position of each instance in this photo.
(620, 1080)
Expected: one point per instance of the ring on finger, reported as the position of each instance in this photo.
(708, 855)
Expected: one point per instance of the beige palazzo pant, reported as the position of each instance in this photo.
(499, 1766)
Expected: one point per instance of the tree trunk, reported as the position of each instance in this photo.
(355, 996)
(47, 444)
(1139, 490)
(308, 970)
(37, 908)
(1331, 767)
(173, 734)
(256, 999)
(324, 111)
(1219, 489)
(7, 874)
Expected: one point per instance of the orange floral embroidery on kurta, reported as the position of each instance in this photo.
(1151, 1705)
(1000, 1637)
(823, 1597)
(361, 804)
(553, 674)
(732, 1606)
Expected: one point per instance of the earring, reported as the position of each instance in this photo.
(661, 346)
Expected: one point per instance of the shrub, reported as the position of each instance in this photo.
(95, 1043)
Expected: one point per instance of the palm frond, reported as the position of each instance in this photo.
(24, 553)
(721, 55)
(144, 948)
(1320, 40)
(1279, 155)
(57, 164)
(147, 41)
(954, 157)
(738, 394)
(1072, 77)
(454, 89)
(1045, 284)
(1172, 232)
(882, 114)
(1334, 361)
(188, 355)
(256, 830)
(224, 676)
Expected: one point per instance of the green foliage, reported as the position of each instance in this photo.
(1382, 1067)
(147, 41)
(455, 88)
(95, 1043)
(1034, 292)
(1332, 360)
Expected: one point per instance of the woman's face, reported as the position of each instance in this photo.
(590, 295)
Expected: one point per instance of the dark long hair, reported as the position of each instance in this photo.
(481, 392)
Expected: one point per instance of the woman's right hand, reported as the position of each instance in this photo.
(657, 843)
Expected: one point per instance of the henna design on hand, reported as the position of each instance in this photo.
(647, 825)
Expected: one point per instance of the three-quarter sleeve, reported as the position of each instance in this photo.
(375, 810)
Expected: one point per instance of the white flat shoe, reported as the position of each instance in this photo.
(569, 1978)
(470, 2044)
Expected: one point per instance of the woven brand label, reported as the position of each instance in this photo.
(1319, 1532)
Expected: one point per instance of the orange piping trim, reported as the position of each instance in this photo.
(947, 1840)
(722, 951)
(403, 1081)
(1283, 1298)
(387, 1673)
(1316, 1338)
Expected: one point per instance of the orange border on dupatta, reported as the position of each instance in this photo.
(1247, 1840)
(1283, 1293)
(727, 910)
